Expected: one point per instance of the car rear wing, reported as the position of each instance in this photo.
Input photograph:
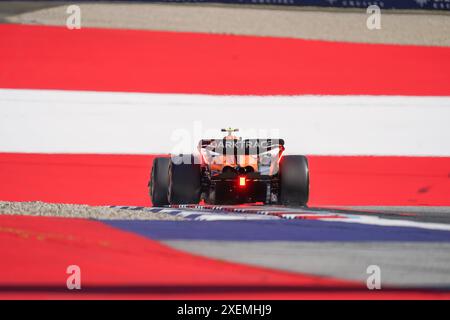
(241, 146)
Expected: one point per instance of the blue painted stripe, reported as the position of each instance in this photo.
(273, 230)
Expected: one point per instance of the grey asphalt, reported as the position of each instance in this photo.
(397, 27)
(404, 264)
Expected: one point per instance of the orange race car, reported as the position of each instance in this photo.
(231, 170)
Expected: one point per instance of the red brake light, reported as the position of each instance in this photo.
(242, 181)
(280, 156)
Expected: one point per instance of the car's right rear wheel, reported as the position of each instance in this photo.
(184, 181)
(294, 180)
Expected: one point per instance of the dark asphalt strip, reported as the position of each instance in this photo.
(405, 264)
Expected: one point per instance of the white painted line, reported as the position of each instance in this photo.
(362, 219)
(104, 122)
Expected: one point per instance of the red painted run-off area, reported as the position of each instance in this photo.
(45, 57)
(122, 179)
(36, 252)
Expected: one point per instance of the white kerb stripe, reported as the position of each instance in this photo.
(106, 122)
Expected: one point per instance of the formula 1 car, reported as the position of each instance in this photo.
(231, 170)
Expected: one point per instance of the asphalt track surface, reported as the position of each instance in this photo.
(398, 27)
(322, 253)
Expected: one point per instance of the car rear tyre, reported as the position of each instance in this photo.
(184, 181)
(159, 181)
(294, 180)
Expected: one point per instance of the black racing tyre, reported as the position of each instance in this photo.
(159, 181)
(184, 181)
(294, 180)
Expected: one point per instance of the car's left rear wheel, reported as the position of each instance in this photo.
(159, 181)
